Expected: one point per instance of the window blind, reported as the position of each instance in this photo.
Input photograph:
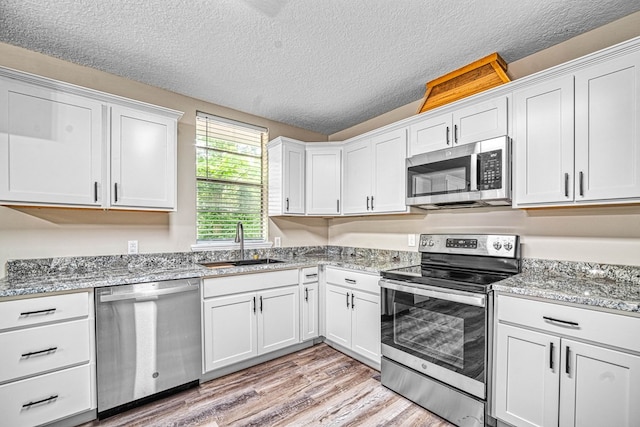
(230, 178)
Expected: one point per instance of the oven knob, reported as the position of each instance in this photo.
(430, 243)
(508, 246)
(497, 245)
(424, 366)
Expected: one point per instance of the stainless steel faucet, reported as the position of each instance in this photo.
(240, 238)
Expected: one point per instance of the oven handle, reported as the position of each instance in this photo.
(468, 299)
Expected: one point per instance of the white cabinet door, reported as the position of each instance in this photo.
(338, 317)
(608, 130)
(480, 121)
(294, 179)
(143, 159)
(366, 325)
(389, 174)
(543, 142)
(357, 186)
(51, 146)
(278, 318)
(309, 304)
(323, 180)
(599, 387)
(229, 330)
(433, 133)
(526, 388)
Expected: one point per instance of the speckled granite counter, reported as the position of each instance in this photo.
(597, 285)
(38, 276)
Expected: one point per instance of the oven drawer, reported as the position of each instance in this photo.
(610, 329)
(43, 348)
(354, 280)
(46, 398)
(34, 311)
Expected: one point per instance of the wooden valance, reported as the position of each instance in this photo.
(483, 74)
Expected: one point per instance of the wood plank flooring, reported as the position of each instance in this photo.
(318, 386)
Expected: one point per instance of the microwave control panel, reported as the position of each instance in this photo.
(490, 170)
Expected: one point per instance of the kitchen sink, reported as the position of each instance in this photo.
(240, 263)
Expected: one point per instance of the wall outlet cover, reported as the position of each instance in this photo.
(411, 240)
(277, 242)
(132, 247)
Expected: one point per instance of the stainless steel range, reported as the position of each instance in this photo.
(435, 323)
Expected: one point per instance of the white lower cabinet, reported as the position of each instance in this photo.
(546, 378)
(309, 304)
(47, 369)
(353, 312)
(243, 325)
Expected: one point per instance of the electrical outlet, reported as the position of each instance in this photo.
(277, 242)
(411, 240)
(132, 246)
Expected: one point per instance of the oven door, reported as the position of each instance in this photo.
(440, 333)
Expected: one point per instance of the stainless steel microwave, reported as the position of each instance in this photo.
(477, 174)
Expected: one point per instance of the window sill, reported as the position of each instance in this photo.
(215, 246)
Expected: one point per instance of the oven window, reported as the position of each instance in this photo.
(448, 176)
(435, 335)
(448, 334)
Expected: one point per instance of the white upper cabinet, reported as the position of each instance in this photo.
(543, 142)
(585, 151)
(63, 145)
(323, 176)
(50, 146)
(143, 159)
(374, 174)
(286, 159)
(484, 120)
(607, 140)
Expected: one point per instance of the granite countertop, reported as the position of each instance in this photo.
(596, 285)
(77, 275)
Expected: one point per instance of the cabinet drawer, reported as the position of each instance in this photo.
(43, 348)
(250, 282)
(309, 275)
(33, 311)
(353, 279)
(46, 398)
(606, 328)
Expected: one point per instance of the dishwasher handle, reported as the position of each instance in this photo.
(147, 293)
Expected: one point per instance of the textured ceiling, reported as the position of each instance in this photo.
(320, 65)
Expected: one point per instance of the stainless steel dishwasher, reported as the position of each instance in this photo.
(148, 342)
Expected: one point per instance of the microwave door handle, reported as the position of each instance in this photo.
(473, 172)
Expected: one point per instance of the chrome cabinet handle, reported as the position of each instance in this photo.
(353, 303)
(581, 183)
(254, 304)
(367, 202)
(347, 299)
(566, 185)
(48, 399)
(33, 353)
(447, 135)
(287, 204)
(260, 303)
(567, 359)
(45, 311)
(564, 322)
(95, 192)
(455, 133)
(551, 357)
(371, 202)
(306, 294)
(338, 205)
(115, 192)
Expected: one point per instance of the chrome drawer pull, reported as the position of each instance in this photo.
(47, 311)
(33, 353)
(564, 322)
(311, 275)
(48, 399)
(350, 281)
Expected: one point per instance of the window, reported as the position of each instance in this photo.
(230, 179)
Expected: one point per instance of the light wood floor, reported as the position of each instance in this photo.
(318, 386)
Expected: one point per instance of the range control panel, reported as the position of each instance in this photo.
(499, 245)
